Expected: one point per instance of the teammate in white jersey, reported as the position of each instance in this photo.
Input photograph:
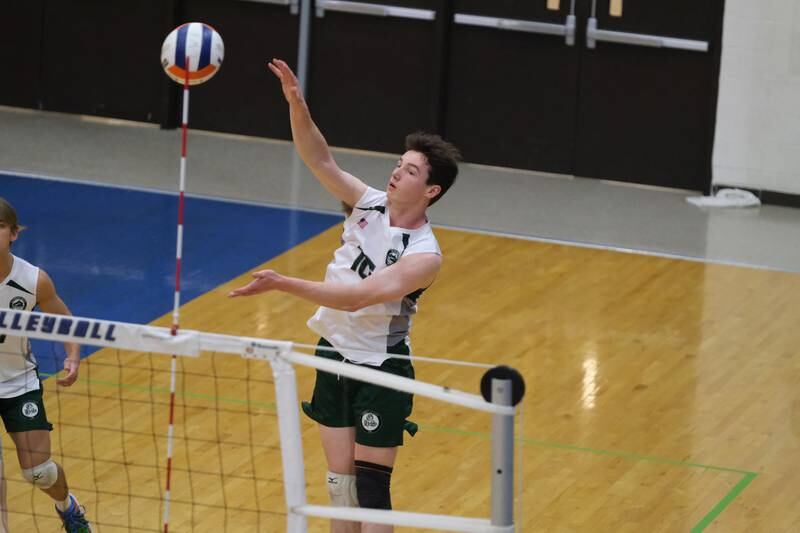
(388, 256)
(23, 287)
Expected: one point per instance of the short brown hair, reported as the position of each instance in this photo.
(442, 156)
(9, 215)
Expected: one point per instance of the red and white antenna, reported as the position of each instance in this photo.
(190, 45)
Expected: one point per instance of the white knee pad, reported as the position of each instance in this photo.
(342, 489)
(43, 476)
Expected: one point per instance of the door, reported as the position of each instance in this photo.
(375, 71)
(20, 53)
(244, 97)
(647, 92)
(99, 58)
(512, 83)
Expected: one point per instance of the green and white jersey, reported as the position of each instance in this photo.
(17, 363)
(370, 244)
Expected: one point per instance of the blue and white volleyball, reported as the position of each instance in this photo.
(198, 42)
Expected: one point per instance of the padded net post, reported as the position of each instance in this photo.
(294, 481)
(502, 457)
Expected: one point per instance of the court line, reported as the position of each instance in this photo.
(724, 502)
(727, 499)
(612, 453)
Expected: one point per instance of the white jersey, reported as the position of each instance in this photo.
(370, 244)
(17, 363)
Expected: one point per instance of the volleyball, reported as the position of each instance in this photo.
(198, 42)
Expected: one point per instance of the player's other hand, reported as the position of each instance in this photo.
(71, 365)
(263, 281)
(289, 83)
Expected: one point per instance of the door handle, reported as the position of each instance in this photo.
(593, 34)
(376, 10)
(293, 4)
(566, 30)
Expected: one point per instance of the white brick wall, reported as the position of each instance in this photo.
(757, 143)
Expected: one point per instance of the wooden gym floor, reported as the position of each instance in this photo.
(661, 395)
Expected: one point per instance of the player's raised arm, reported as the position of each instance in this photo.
(310, 143)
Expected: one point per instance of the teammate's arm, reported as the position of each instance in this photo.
(311, 145)
(389, 284)
(50, 302)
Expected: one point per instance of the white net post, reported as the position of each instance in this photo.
(294, 476)
(502, 457)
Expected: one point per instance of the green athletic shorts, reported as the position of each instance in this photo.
(377, 413)
(25, 412)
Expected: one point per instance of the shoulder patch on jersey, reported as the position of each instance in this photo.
(14, 284)
(379, 208)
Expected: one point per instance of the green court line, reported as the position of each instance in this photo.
(726, 500)
(572, 447)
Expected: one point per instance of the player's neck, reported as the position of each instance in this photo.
(6, 262)
(407, 216)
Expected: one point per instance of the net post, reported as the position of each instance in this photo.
(294, 475)
(502, 457)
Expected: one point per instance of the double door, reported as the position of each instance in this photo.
(613, 89)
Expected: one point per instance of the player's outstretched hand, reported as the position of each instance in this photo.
(264, 280)
(289, 83)
(71, 368)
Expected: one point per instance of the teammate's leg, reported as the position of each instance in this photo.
(3, 500)
(33, 452)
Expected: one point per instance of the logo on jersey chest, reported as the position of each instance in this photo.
(18, 303)
(392, 256)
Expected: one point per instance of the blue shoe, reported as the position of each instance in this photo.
(73, 518)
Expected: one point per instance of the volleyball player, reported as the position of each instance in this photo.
(389, 256)
(23, 287)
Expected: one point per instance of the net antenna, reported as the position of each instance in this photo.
(177, 298)
(201, 50)
(504, 386)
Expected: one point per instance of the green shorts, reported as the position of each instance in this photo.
(378, 414)
(25, 412)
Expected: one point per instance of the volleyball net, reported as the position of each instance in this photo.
(237, 443)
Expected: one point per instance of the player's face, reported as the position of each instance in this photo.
(6, 237)
(408, 182)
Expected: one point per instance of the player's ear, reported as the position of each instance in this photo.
(433, 191)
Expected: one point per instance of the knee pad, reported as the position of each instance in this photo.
(342, 490)
(372, 484)
(43, 476)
